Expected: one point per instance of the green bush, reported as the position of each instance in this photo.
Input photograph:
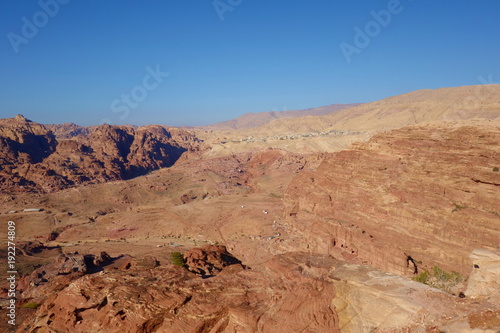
(178, 259)
(439, 278)
(31, 305)
(443, 276)
(423, 277)
(457, 207)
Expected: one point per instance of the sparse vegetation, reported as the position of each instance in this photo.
(178, 259)
(31, 305)
(443, 276)
(495, 169)
(457, 207)
(439, 278)
(423, 277)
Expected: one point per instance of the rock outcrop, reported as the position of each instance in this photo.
(369, 300)
(22, 144)
(33, 159)
(47, 279)
(209, 260)
(278, 298)
(484, 280)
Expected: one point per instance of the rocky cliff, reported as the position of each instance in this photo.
(34, 159)
(406, 201)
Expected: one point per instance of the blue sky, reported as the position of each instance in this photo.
(228, 57)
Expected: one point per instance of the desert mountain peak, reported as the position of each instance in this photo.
(20, 118)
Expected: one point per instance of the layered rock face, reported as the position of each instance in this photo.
(405, 201)
(32, 159)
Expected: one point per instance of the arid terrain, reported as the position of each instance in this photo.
(379, 217)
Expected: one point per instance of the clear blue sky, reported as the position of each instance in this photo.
(264, 55)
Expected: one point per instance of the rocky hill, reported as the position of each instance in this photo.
(421, 106)
(33, 158)
(337, 130)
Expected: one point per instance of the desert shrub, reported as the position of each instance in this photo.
(423, 277)
(442, 276)
(439, 278)
(31, 305)
(495, 169)
(457, 207)
(178, 259)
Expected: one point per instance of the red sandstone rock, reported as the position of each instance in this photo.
(209, 260)
(430, 193)
(33, 160)
(278, 298)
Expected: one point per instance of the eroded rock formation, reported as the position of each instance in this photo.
(151, 297)
(209, 260)
(32, 159)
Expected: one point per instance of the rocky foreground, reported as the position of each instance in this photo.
(212, 291)
(81, 293)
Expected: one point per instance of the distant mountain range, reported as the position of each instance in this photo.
(251, 120)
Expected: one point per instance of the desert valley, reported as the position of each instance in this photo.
(376, 217)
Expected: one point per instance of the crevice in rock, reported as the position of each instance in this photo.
(483, 182)
(103, 304)
(97, 306)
